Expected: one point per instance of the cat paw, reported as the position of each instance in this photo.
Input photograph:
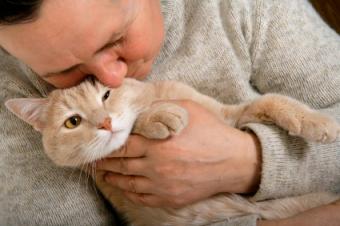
(318, 128)
(161, 121)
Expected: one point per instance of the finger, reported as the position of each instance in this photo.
(144, 199)
(133, 184)
(136, 146)
(124, 166)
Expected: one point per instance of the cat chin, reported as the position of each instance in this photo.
(116, 142)
(113, 143)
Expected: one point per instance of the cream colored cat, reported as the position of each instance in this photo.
(87, 122)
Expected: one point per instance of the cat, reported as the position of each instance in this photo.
(77, 124)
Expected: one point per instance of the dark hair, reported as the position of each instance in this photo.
(18, 11)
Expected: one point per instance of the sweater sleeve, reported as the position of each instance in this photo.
(295, 53)
(33, 191)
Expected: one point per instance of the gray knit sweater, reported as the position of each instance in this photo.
(233, 50)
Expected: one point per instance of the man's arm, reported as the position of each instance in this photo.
(295, 53)
(327, 215)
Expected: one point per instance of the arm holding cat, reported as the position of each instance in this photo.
(298, 57)
(323, 215)
(170, 165)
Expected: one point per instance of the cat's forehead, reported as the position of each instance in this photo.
(88, 95)
(86, 92)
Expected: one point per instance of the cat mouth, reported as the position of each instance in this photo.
(114, 133)
(111, 130)
(114, 136)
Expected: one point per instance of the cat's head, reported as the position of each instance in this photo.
(83, 123)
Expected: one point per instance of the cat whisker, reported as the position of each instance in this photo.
(90, 177)
(84, 168)
(94, 144)
(76, 170)
(80, 176)
(93, 172)
(92, 169)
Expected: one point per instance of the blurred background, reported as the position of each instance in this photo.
(329, 11)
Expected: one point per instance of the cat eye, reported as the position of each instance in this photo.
(106, 95)
(72, 122)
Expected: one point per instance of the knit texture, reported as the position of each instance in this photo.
(232, 50)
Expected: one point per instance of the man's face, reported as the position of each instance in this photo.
(72, 39)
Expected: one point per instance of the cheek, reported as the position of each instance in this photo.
(143, 43)
(139, 49)
(67, 149)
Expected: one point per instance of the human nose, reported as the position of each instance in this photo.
(108, 69)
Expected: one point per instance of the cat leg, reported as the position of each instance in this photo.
(161, 121)
(293, 116)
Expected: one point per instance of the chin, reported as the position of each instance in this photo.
(116, 142)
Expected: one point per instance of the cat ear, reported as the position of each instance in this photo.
(29, 110)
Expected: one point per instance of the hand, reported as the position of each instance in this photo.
(206, 158)
(327, 215)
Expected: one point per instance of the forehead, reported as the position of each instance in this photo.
(86, 92)
(65, 31)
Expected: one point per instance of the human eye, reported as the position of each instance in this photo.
(67, 74)
(117, 42)
(66, 79)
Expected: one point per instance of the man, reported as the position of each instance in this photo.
(231, 50)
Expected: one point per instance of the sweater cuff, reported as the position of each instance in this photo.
(249, 220)
(280, 158)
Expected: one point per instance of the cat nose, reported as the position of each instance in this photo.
(106, 124)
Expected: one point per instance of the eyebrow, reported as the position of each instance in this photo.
(114, 36)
